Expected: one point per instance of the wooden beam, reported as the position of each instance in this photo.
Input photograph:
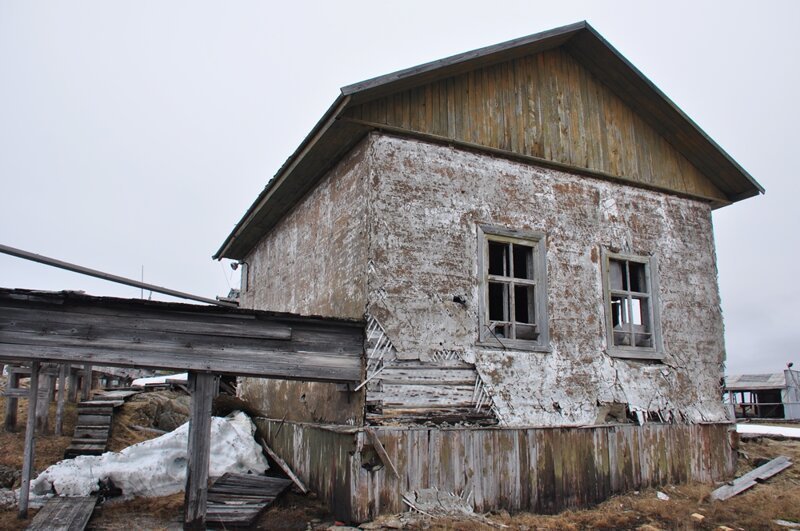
(103, 331)
(12, 402)
(86, 380)
(72, 384)
(201, 386)
(381, 451)
(62, 392)
(43, 403)
(27, 460)
(283, 466)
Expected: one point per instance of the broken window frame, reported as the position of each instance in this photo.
(656, 350)
(538, 282)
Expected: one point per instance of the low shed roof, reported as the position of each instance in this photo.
(755, 382)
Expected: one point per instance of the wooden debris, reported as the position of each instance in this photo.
(381, 451)
(283, 466)
(786, 523)
(748, 480)
(64, 514)
(235, 500)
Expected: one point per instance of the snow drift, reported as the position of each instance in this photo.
(156, 467)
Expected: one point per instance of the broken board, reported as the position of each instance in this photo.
(236, 500)
(64, 514)
(756, 475)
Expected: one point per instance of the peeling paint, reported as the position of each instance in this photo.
(425, 203)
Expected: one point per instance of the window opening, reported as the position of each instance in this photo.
(513, 305)
(629, 285)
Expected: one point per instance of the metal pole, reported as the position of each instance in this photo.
(19, 253)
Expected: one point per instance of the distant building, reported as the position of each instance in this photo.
(764, 396)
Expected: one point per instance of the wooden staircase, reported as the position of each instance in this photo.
(93, 425)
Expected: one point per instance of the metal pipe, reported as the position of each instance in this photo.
(19, 253)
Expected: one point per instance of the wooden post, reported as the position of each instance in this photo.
(11, 401)
(87, 382)
(27, 460)
(201, 385)
(62, 391)
(43, 404)
(73, 384)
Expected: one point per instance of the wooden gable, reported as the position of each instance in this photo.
(563, 98)
(546, 106)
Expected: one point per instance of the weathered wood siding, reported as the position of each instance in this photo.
(313, 263)
(542, 470)
(548, 106)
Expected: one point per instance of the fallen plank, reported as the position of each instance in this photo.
(64, 514)
(283, 466)
(748, 480)
(235, 500)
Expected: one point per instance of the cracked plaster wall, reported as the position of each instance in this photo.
(313, 263)
(425, 201)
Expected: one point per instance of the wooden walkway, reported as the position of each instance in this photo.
(236, 500)
(93, 425)
(64, 514)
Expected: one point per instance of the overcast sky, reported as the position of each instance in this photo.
(136, 134)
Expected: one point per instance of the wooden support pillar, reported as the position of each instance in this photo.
(62, 391)
(201, 386)
(86, 386)
(27, 460)
(10, 422)
(43, 404)
(73, 384)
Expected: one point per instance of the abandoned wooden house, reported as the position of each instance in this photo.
(527, 230)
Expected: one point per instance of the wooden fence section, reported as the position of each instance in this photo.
(543, 470)
(105, 331)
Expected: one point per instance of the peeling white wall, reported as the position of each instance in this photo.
(425, 202)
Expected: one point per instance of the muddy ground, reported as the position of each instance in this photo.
(688, 507)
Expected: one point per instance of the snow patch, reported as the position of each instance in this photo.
(156, 467)
(167, 378)
(760, 429)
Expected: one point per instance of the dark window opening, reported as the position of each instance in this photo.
(511, 275)
(498, 259)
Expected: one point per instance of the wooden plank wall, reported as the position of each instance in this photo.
(408, 391)
(548, 106)
(544, 470)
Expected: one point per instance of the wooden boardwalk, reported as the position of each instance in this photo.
(64, 514)
(235, 500)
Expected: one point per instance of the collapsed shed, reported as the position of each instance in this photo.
(527, 230)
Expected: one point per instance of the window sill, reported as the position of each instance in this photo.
(636, 354)
(513, 344)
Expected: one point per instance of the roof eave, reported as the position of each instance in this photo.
(316, 133)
